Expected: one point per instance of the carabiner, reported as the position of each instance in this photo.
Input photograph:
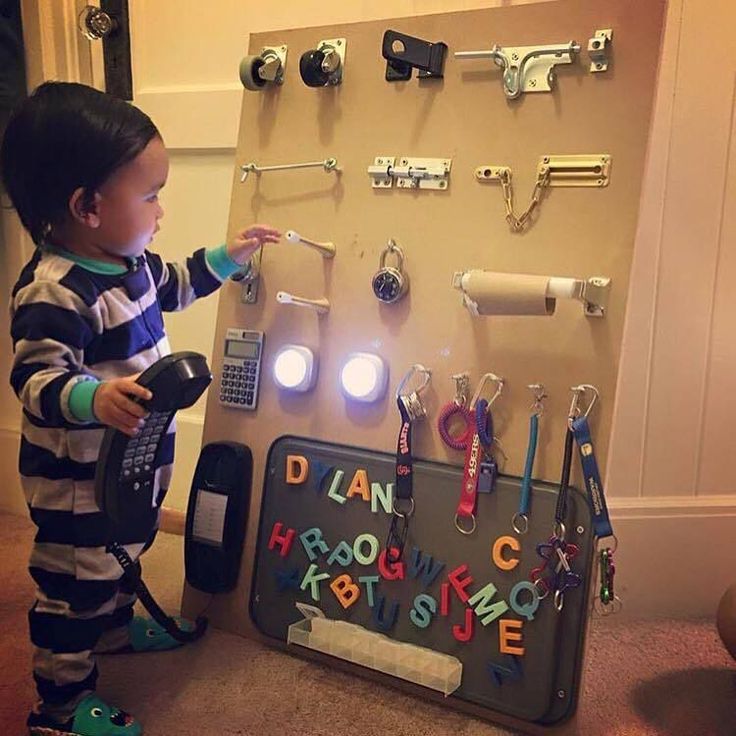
(411, 401)
(485, 378)
(416, 368)
(577, 392)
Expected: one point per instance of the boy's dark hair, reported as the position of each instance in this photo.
(65, 136)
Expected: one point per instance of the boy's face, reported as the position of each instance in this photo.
(128, 206)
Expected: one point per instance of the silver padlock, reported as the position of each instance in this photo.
(390, 283)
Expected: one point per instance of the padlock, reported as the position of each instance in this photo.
(390, 283)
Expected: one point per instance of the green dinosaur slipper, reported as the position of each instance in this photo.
(147, 635)
(92, 717)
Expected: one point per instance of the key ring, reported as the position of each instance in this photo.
(412, 401)
(458, 407)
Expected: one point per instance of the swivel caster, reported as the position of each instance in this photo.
(323, 66)
(257, 71)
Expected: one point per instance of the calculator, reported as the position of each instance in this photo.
(241, 368)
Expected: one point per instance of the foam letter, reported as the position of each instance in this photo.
(370, 581)
(445, 599)
(313, 538)
(498, 560)
(287, 579)
(529, 609)
(460, 585)
(343, 554)
(283, 541)
(345, 590)
(424, 608)
(482, 599)
(396, 569)
(464, 634)
(334, 487)
(422, 563)
(360, 558)
(506, 634)
(312, 579)
(297, 468)
(385, 498)
(359, 485)
(385, 622)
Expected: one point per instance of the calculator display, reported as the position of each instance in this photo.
(241, 349)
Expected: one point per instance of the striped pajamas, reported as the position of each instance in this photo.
(69, 324)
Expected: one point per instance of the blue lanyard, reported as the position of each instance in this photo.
(601, 520)
(526, 481)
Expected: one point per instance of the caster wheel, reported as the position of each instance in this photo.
(310, 69)
(249, 67)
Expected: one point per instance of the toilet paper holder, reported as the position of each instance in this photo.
(592, 292)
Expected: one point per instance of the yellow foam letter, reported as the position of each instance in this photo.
(505, 636)
(345, 590)
(297, 468)
(498, 559)
(359, 485)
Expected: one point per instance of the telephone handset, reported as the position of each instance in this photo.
(126, 465)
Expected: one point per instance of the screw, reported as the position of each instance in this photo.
(560, 694)
(532, 82)
(599, 66)
(515, 57)
(580, 530)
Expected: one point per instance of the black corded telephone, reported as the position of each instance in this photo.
(124, 486)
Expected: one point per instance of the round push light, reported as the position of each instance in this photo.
(294, 368)
(364, 377)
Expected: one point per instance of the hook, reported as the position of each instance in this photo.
(485, 378)
(577, 393)
(539, 395)
(462, 383)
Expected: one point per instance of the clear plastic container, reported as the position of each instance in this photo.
(354, 643)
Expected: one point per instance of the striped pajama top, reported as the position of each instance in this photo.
(70, 325)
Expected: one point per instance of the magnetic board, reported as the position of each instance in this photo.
(527, 686)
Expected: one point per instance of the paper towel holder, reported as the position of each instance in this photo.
(592, 292)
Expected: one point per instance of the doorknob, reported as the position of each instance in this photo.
(109, 23)
(95, 23)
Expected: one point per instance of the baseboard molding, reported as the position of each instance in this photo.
(675, 555)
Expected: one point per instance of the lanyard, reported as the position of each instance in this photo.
(410, 408)
(482, 437)
(601, 519)
(520, 520)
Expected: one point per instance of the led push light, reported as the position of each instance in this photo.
(294, 368)
(364, 377)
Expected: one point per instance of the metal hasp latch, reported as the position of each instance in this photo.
(404, 53)
(269, 66)
(526, 68)
(599, 48)
(411, 173)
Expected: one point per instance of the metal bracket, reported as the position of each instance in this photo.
(526, 68)
(595, 296)
(275, 64)
(249, 276)
(411, 173)
(403, 53)
(598, 49)
(587, 170)
(492, 173)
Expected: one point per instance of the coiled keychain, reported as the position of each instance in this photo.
(457, 408)
(520, 520)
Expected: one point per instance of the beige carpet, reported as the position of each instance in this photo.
(663, 678)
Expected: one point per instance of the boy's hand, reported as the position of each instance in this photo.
(113, 406)
(248, 241)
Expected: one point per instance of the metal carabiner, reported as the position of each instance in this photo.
(411, 401)
(485, 378)
(577, 393)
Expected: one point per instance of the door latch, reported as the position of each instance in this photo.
(526, 68)
(411, 173)
(404, 53)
